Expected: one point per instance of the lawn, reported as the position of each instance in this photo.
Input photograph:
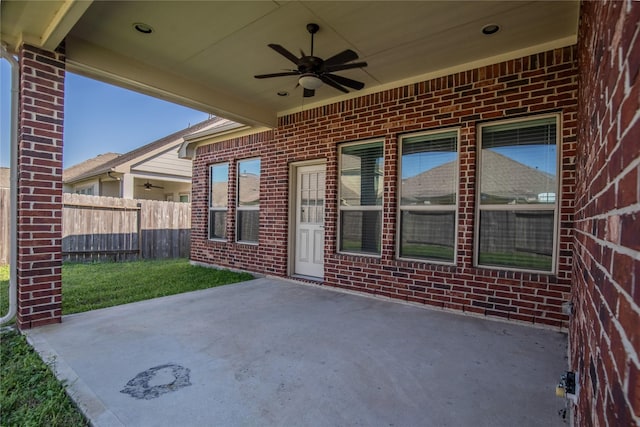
(90, 286)
(4, 289)
(29, 393)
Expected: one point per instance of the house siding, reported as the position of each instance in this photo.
(165, 164)
(605, 329)
(40, 133)
(536, 84)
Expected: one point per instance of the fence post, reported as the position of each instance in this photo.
(139, 218)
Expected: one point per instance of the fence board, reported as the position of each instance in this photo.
(100, 228)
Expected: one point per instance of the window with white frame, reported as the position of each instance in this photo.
(360, 208)
(518, 194)
(218, 200)
(428, 196)
(248, 201)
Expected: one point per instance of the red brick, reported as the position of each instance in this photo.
(633, 390)
(39, 244)
(623, 270)
(603, 156)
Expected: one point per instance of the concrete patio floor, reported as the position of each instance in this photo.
(275, 353)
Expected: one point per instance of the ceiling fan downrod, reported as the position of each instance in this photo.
(312, 28)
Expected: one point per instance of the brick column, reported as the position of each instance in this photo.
(40, 126)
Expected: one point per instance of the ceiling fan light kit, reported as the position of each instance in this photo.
(313, 71)
(310, 81)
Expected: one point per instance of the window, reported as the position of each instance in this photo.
(428, 196)
(248, 201)
(360, 211)
(88, 190)
(218, 200)
(184, 198)
(517, 206)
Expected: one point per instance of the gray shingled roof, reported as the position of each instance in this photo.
(126, 157)
(80, 169)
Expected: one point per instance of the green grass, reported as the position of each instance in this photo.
(4, 289)
(30, 395)
(91, 286)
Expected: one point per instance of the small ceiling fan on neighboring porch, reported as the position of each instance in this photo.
(315, 71)
(148, 186)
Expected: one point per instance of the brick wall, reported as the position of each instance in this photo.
(41, 115)
(605, 329)
(545, 82)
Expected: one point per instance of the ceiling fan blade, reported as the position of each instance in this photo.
(327, 79)
(340, 58)
(284, 52)
(287, 73)
(333, 68)
(308, 93)
(353, 84)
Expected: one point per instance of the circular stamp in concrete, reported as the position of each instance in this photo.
(157, 381)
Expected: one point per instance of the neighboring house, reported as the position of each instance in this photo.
(153, 171)
(90, 186)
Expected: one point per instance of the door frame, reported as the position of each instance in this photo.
(293, 191)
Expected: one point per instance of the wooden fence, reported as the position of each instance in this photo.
(108, 228)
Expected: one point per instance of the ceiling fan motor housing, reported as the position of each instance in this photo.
(311, 67)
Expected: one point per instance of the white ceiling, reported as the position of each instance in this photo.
(204, 54)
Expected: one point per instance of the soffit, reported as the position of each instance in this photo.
(205, 54)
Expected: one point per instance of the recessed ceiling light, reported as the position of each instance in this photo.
(283, 93)
(490, 29)
(143, 28)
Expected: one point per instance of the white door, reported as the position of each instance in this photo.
(309, 250)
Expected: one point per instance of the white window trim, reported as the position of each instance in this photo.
(428, 207)
(217, 209)
(246, 208)
(521, 207)
(359, 208)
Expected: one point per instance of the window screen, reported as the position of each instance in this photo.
(361, 183)
(428, 196)
(218, 200)
(248, 201)
(518, 194)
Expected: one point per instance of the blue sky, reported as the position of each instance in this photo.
(101, 118)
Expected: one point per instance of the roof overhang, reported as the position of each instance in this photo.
(188, 148)
(205, 54)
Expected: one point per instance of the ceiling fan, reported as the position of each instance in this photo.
(148, 186)
(314, 71)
